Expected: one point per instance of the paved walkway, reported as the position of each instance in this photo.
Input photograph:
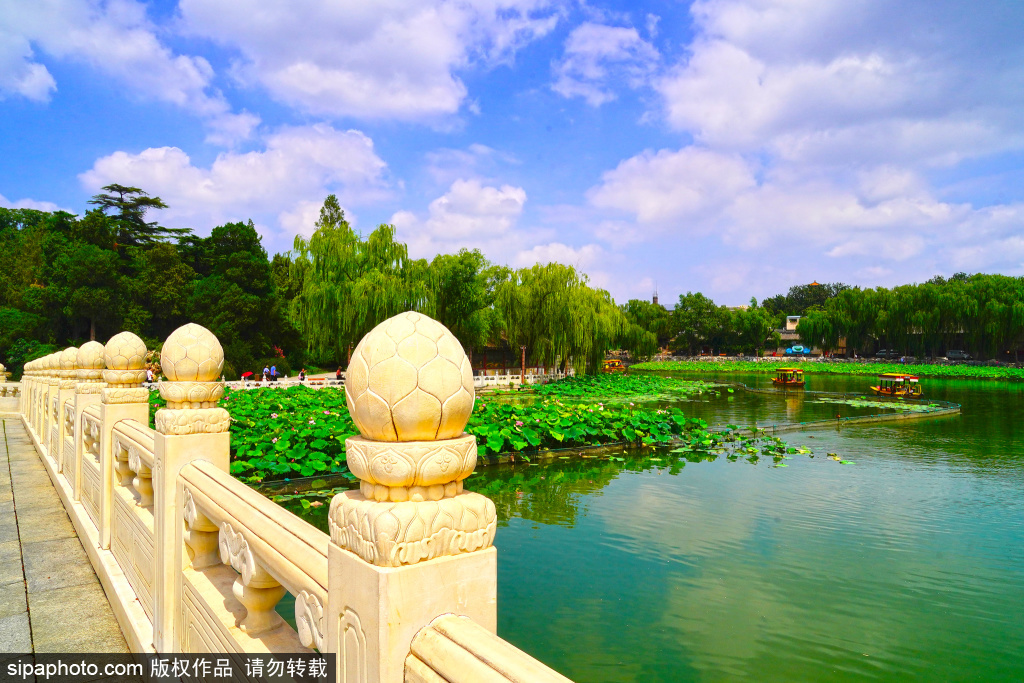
(50, 598)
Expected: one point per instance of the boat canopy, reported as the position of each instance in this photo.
(895, 377)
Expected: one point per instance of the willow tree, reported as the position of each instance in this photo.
(552, 311)
(347, 285)
(532, 305)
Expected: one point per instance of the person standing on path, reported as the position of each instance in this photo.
(273, 373)
(266, 374)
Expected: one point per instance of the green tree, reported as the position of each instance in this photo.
(237, 299)
(349, 285)
(462, 290)
(129, 206)
(698, 322)
(753, 327)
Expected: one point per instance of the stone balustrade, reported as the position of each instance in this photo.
(404, 588)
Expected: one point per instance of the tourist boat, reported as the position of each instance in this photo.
(613, 365)
(894, 384)
(788, 377)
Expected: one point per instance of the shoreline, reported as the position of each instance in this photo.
(815, 367)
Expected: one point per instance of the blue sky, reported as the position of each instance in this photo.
(733, 147)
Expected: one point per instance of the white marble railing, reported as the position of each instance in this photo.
(514, 379)
(193, 560)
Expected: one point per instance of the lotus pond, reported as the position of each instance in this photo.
(647, 565)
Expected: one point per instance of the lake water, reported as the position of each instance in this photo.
(908, 564)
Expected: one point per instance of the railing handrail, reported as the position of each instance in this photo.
(456, 649)
(142, 436)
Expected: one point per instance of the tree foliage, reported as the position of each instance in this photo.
(347, 284)
(983, 314)
(801, 298)
(128, 207)
(77, 278)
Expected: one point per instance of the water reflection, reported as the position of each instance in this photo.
(908, 564)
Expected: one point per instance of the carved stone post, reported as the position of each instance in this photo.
(44, 372)
(191, 427)
(123, 398)
(89, 361)
(410, 545)
(27, 386)
(52, 416)
(68, 380)
(44, 396)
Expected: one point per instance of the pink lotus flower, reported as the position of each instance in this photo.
(519, 423)
(273, 415)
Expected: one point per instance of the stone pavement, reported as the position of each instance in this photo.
(50, 598)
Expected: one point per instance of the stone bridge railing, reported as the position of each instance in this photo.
(9, 391)
(479, 381)
(403, 589)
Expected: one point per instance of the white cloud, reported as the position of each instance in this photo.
(117, 39)
(883, 215)
(29, 204)
(841, 82)
(664, 186)
(597, 57)
(283, 182)
(581, 258)
(471, 215)
(375, 60)
(826, 140)
(19, 74)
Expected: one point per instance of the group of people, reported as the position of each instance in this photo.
(270, 374)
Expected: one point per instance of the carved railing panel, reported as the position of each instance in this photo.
(272, 550)
(90, 461)
(132, 539)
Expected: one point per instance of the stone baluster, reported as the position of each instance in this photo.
(143, 479)
(257, 590)
(410, 545)
(122, 468)
(89, 364)
(201, 535)
(68, 379)
(191, 427)
(122, 398)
